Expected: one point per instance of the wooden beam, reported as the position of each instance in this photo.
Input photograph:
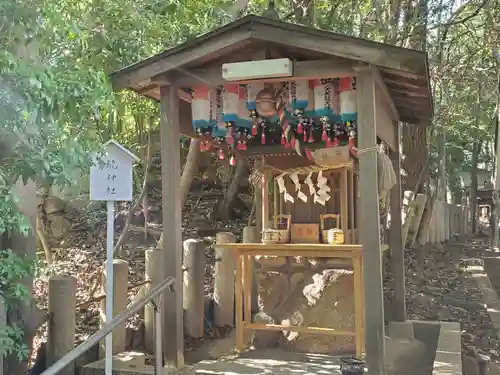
(410, 61)
(396, 245)
(391, 82)
(301, 70)
(379, 82)
(369, 225)
(173, 329)
(172, 60)
(404, 74)
(393, 89)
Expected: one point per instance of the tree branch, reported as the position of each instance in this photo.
(116, 250)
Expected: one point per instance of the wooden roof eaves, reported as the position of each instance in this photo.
(253, 27)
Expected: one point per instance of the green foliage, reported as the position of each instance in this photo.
(56, 104)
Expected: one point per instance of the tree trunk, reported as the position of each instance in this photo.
(24, 314)
(495, 236)
(190, 168)
(473, 191)
(188, 173)
(223, 212)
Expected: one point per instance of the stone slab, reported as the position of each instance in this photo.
(400, 330)
(448, 359)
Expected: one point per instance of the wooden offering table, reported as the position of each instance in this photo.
(244, 254)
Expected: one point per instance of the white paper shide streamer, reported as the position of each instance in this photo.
(322, 195)
(282, 188)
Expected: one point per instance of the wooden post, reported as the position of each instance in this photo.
(369, 225)
(265, 198)
(409, 208)
(173, 333)
(344, 202)
(250, 235)
(154, 273)
(194, 275)
(396, 245)
(420, 202)
(224, 281)
(446, 212)
(120, 301)
(443, 221)
(61, 324)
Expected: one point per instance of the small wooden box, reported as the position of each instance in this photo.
(304, 233)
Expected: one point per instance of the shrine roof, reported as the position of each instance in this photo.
(404, 71)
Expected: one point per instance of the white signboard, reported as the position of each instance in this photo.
(111, 174)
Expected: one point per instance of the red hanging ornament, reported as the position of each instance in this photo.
(324, 136)
(254, 130)
(232, 161)
(243, 146)
(283, 140)
(328, 142)
(300, 128)
(229, 137)
(336, 142)
(311, 139)
(263, 138)
(305, 136)
(238, 145)
(222, 155)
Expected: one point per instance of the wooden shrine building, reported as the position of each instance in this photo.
(297, 94)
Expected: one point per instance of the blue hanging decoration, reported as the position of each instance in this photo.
(325, 99)
(300, 103)
(201, 110)
(348, 108)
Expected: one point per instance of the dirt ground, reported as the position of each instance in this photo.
(436, 289)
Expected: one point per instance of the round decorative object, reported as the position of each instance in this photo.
(266, 103)
(352, 366)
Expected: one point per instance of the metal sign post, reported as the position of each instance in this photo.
(110, 181)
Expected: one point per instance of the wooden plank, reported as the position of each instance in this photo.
(265, 197)
(344, 203)
(369, 225)
(358, 305)
(173, 333)
(352, 213)
(337, 45)
(385, 127)
(292, 247)
(396, 238)
(386, 96)
(158, 65)
(238, 290)
(300, 329)
(331, 68)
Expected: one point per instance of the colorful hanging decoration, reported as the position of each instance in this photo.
(348, 107)
(201, 110)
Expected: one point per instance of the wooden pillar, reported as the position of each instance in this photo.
(396, 245)
(224, 281)
(369, 223)
(265, 198)
(250, 235)
(194, 275)
(61, 325)
(173, 333)
(154, 273)
(344, 203)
